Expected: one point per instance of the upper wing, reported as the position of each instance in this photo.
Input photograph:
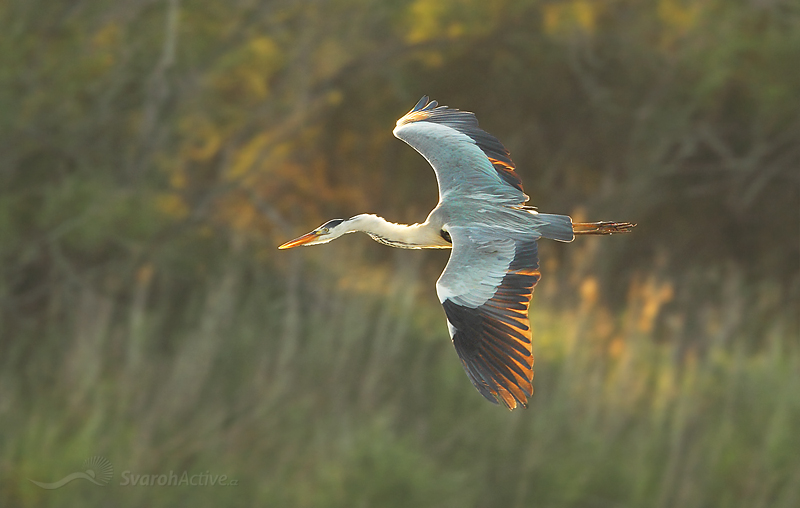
(486, 290)
(466, 159)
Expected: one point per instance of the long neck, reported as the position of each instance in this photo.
(416, 236)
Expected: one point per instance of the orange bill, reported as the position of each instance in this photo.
(299, 241)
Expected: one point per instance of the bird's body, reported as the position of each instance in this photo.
(487, 285)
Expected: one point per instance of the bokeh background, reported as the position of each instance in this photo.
(153, 154)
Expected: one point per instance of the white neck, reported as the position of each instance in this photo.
(416, 236)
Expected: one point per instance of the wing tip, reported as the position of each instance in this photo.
(420, 111)
(506, 378)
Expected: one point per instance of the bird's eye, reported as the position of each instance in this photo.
(324, 231)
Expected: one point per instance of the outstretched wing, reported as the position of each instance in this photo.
(466, 159)
(486, 290)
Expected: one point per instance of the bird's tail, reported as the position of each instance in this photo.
(554, 227)
(601, 228)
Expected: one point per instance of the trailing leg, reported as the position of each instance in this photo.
(601, 228)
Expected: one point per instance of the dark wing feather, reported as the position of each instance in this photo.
(492, 337)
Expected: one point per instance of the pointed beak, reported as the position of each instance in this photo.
(299, 241)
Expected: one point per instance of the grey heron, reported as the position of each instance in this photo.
(487, 285)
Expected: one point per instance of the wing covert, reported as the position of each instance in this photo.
(486, 291)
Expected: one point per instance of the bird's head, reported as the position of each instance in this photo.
(331, 230)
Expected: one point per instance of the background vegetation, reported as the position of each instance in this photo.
(154, 152)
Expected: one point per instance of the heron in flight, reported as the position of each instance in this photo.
(487, 285)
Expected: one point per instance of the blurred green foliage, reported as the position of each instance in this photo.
(154, 152)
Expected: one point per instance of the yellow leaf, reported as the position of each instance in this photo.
(107, 36)
(576, 16)
(677, 15)
(246, 157)
(173, 205)
(205, 139)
